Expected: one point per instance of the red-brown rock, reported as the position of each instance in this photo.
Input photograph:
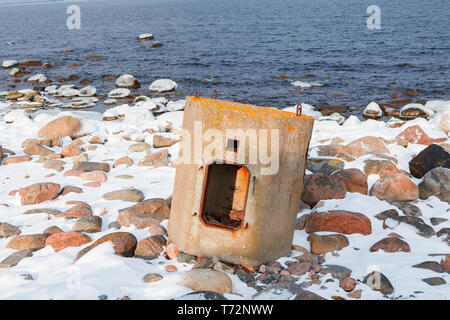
(124, 244)
(172, 251)
(366, 145)
(79, 211)
(354, 179)
(39, 192)
(17, 159)
(64, 126)
(62, 240)
(73, 173)
(320, 186)
(391, 244)
(30, 242)
(381, 167)
(94, 176)
(71, 150)
(395, 187)
(123, 161)
(348, 284)
(340, 221)
(416, 135)
(327, 243)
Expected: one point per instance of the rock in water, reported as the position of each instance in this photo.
(432, 157)
(373, 111)
(163, 85)
(127, 81)
(436, 182)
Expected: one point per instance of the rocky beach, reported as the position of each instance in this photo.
(85, 197)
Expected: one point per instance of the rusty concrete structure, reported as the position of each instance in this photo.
(231, 210)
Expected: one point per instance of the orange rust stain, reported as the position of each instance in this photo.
(229, 118)
(284, 124)
(291, 128)
(252, 111)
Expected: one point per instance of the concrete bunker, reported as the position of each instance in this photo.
(229, 205)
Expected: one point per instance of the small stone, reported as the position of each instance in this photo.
(430, 265)
(124, 244)
(336, 271)
(378, 282)
(437, 221)
(52, 230)
(408, 209)
(391, 244)
(17, 159)
(152, 277)
(30, 242)
(172, 251)
(308, 295)
(299, 268)
(79, 211)
(150, 248)
(387, 214)
(327, 243)
(70, 189)
(207, 280)
(94, 176)
(422, 228)
(145, 213)
(354, 179)
(171, 268)
(436, 182)
(132, 195)
(139, 147)
(186, 258)
(340, 221)
(62, 240)
(89, 224)
(355, 294)
(348, 284)
(8, 230)
(13, 259)
(127, 161)
(161, 142)
(435, 281)
(91, 166)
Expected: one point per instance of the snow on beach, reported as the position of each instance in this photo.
(129, 150)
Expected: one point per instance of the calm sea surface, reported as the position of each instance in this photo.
(238, 47)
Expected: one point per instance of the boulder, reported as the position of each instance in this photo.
(8, 230)
(124, 244)
(378, 282)
(364, 145)
(207, 280)
(39, 192)
(78, 211)
(396, 186)
(89, 224)
(354, 179)
(320, 186)
(127, 81)
(150, 248)
(431, 157)
(340, 221)
(31, 242)
(163, 85)
(62, 240)
(416, 135)
(63, 127)
(321, 244)
(132, 195)
(145, 213)
(436, 182)
(381, 167)
(391, 244)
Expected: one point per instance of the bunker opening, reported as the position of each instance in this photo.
(224, 195)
